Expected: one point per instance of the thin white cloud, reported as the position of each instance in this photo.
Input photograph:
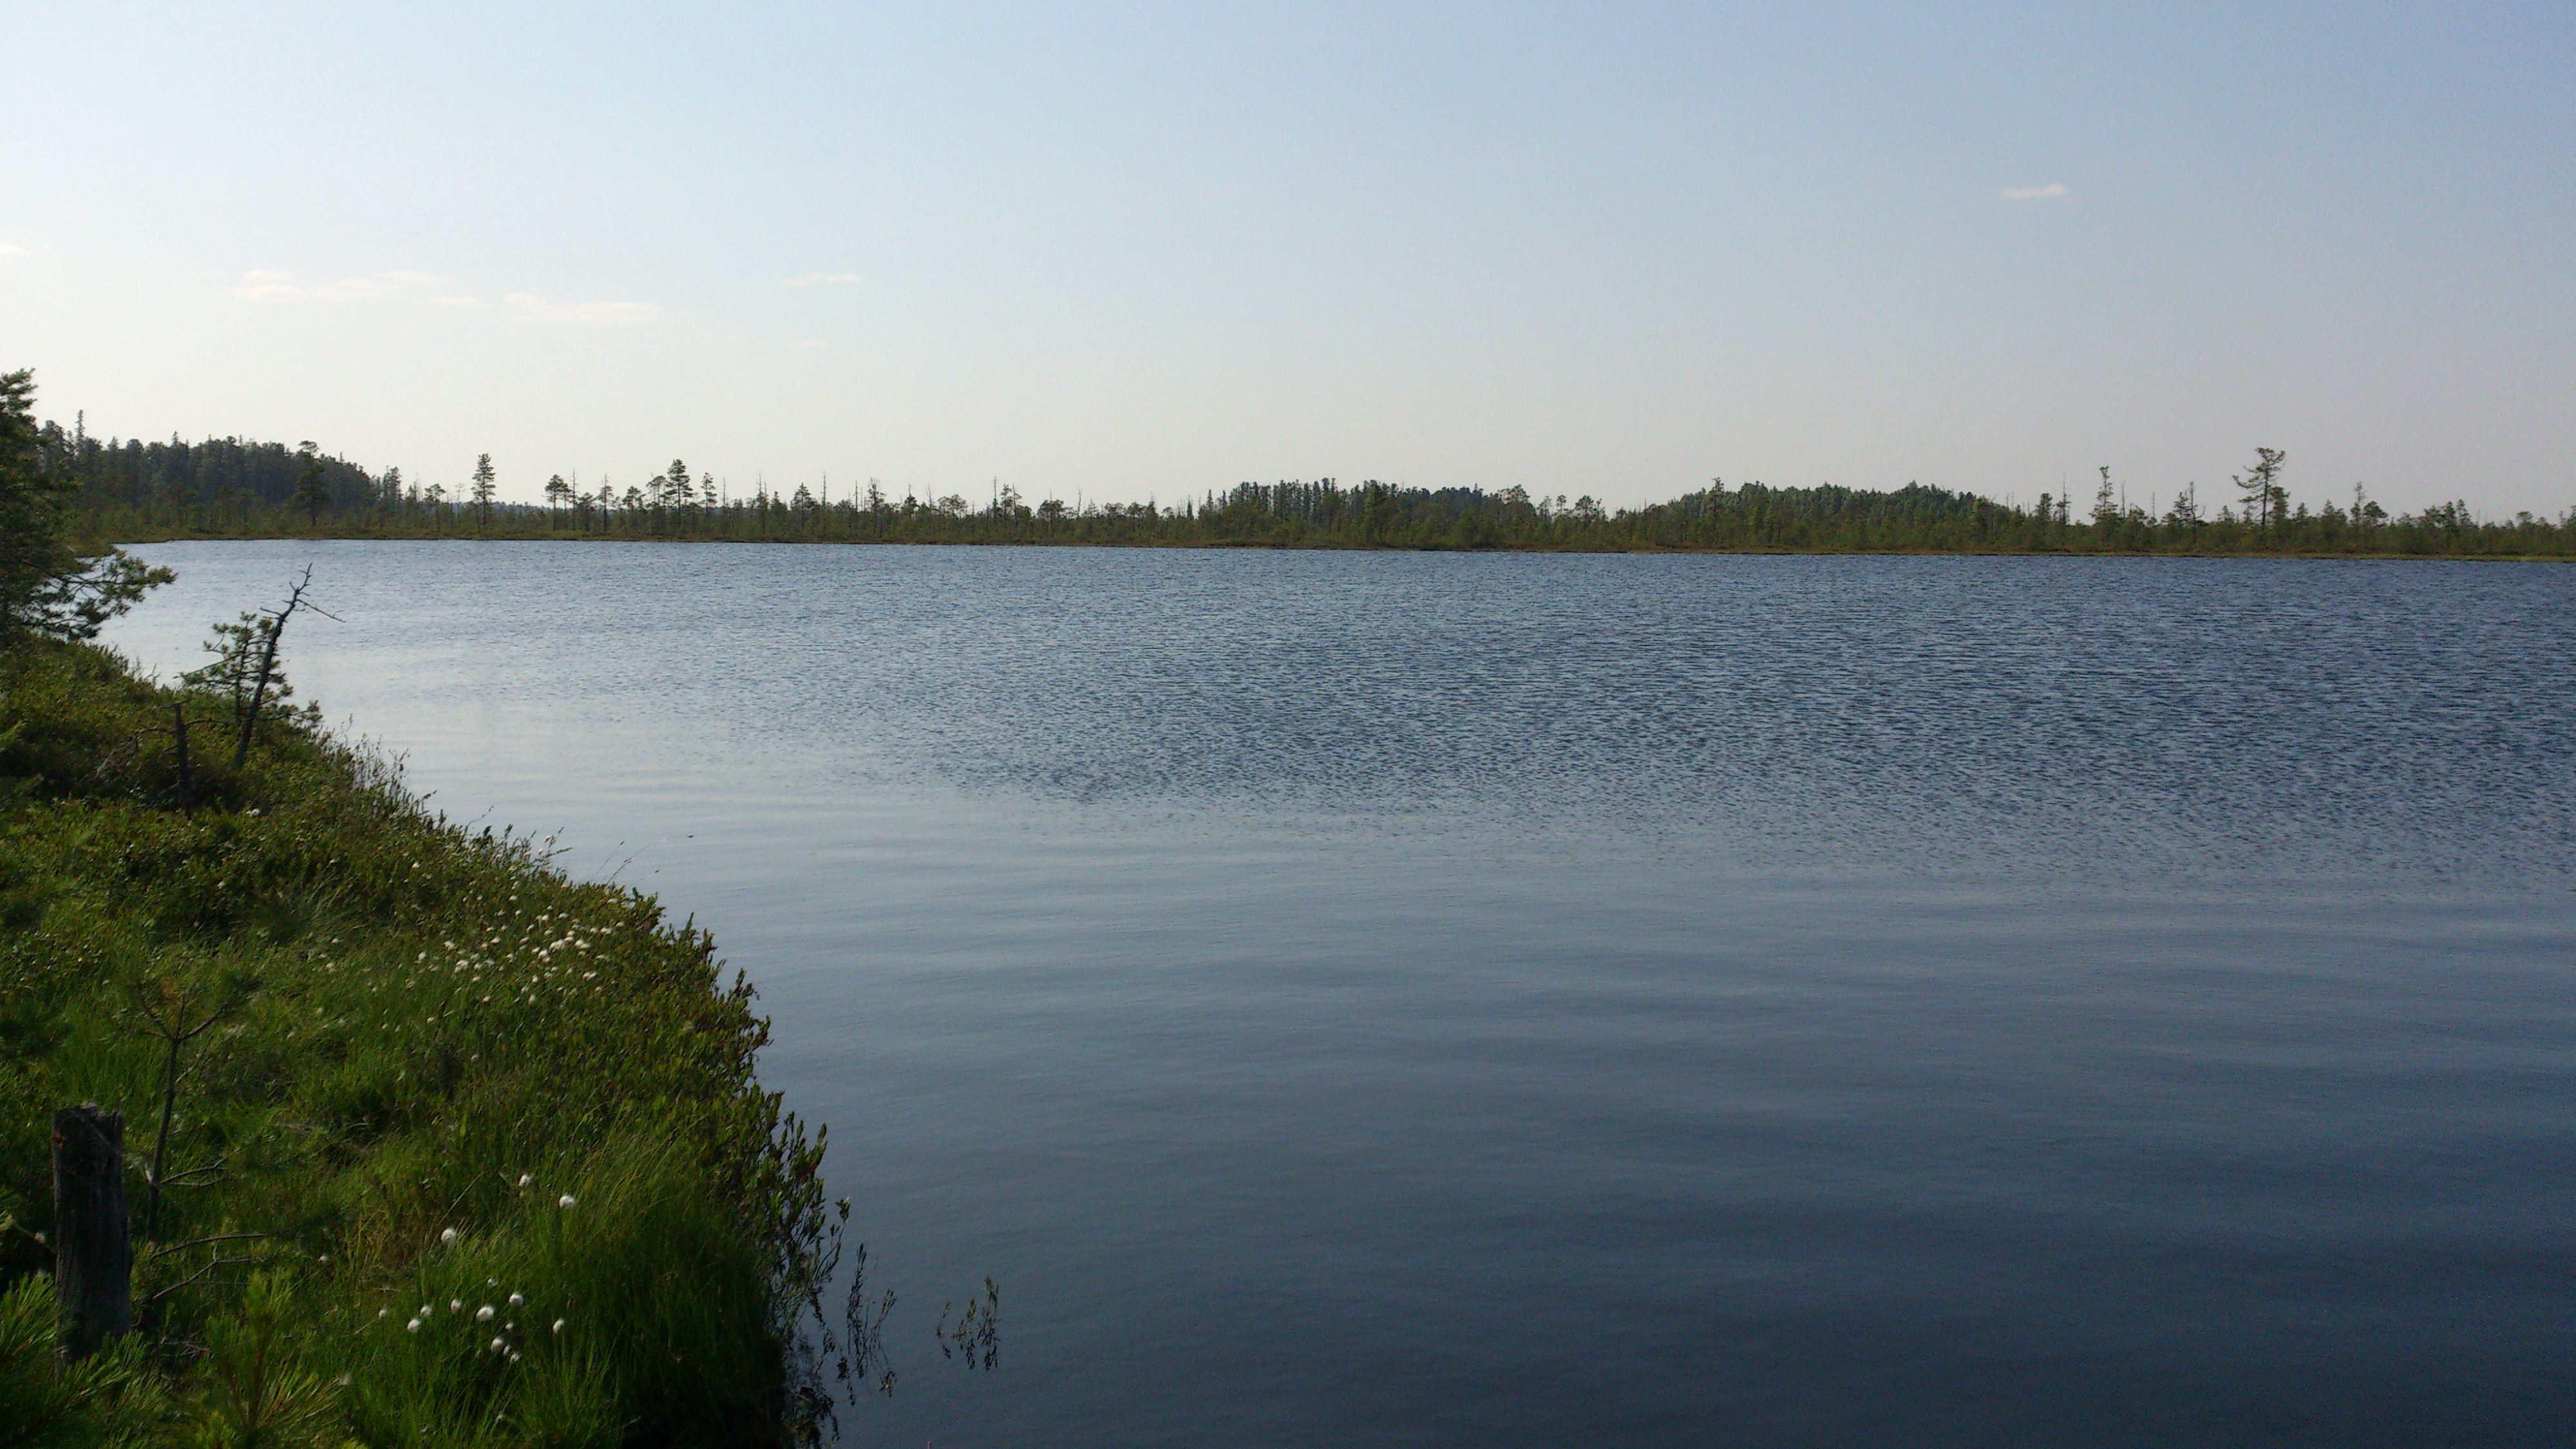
(7, 251)
(823, 279)
(811, 344)
(268, 287)
(356, 289)
(456, 301)
(276, 286)
(586, 314)
(2035, 193)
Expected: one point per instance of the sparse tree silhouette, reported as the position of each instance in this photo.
(232, 488)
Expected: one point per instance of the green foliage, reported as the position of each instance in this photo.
(312, 492)
(240, 648)
(1753, 518)
(487, 485)
(638, 1297)
(109, 1400)
(48, 584)
(258, 1394)
(417, 1032)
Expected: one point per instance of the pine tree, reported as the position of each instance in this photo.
(49, 584)
(2265, 499)
(312, 491)
(485, 485)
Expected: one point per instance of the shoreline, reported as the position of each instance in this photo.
(1328, 546)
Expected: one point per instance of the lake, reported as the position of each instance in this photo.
(1447, 999)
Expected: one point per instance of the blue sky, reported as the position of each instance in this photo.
(1144, 251)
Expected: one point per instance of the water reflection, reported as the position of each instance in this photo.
(1693, 1001)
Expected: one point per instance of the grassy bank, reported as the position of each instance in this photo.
(462, 1151)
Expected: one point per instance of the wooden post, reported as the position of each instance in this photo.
(93, 1254)
(179, 728)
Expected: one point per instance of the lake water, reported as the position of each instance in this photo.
(1424, 999)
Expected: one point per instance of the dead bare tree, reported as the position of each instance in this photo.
(267, 674)
(246, 660)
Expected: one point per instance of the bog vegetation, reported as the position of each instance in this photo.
(227, 488)
(426, 1142)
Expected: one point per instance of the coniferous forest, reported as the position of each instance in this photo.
(134, 491)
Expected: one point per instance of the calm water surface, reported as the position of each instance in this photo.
(1413, 999)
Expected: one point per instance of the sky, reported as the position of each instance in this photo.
(1120, 252)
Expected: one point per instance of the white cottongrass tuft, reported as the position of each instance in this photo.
(559, 1323)
(483, 1314)
(455, 1305)
(565, 1202)
(412, 1327)
(448, 1237)
(518, 1300)
(525, 1179)
(498, 1346)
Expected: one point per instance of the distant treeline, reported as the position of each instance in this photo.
(135, 491)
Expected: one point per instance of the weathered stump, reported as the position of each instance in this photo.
(93, 1252)
(187, 783)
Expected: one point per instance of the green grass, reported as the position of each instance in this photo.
(428, 1040)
